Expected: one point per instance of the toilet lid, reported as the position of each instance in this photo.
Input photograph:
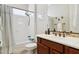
(31, 45)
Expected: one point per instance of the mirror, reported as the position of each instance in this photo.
(63, 17)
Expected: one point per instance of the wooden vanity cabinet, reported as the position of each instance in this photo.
(45, 46)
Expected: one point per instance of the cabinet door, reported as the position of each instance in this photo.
(42, 49)
(69, 50)
(54, 51)
(53, 45)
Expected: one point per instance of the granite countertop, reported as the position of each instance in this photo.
(68, 41)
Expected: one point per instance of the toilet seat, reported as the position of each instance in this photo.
(30, 46)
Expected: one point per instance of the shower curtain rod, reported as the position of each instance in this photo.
(21, 9)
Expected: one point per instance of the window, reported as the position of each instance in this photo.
(19, 12)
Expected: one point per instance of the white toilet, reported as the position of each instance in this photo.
(30, 47)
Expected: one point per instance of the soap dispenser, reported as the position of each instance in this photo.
(48, 31)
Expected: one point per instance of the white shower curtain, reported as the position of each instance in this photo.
(7, 34)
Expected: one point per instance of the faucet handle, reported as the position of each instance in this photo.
(64, 33)
(70, 31)
(59, 34)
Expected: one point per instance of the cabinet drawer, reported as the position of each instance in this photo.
(53, 45)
